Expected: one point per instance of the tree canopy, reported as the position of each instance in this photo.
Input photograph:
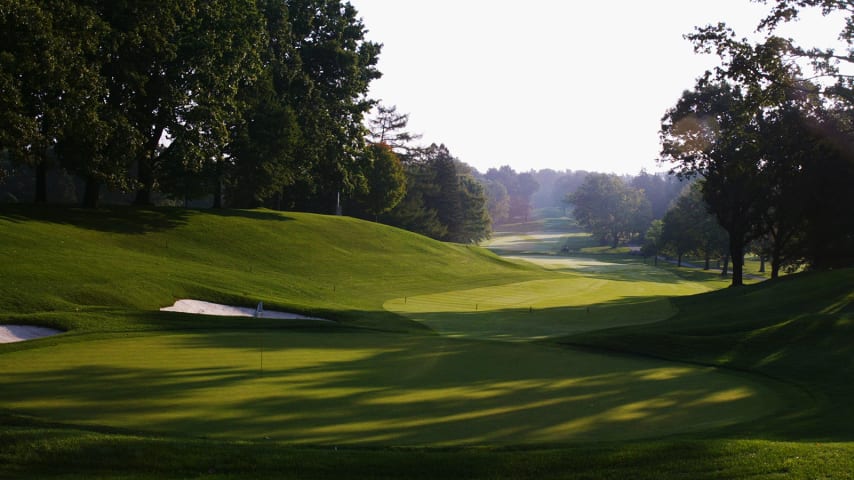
(612, 210)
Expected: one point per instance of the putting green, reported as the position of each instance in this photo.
(360, 388)
(594, 294)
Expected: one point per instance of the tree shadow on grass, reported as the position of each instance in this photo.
(371, 389)
(527, 323)
(126, 220)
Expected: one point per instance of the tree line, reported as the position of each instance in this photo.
(250, 101)
(769, 151)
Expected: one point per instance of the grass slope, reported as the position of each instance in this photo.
(104, 275)
(799, 328)
(126, 261)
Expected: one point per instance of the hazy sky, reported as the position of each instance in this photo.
(559, 84)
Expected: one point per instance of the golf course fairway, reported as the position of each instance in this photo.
(539, 356)
(384, 389)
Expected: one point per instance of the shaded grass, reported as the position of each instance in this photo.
(799, 328)
(350, 387)
(50, 452)
(124, 263)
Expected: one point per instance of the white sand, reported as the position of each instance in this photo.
(19, 333)
(207, 308)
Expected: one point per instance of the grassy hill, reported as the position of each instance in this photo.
(132, 392)
(799, 329)
(130, 261)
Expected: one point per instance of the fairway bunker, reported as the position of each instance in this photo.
(20, 333)
(200, 307)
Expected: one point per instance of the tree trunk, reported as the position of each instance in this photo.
(725, 268)
(217, 200)
(679, 259)
(92, 193)
(41, 182)
(761, 263)
(145, 176)
(736, 253)
(708, 264)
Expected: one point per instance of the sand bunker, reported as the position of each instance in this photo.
(207, 308)
(19, 333)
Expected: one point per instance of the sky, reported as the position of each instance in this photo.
(560, 84)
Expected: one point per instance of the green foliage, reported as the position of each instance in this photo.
(386, 180)
(443, 201)
(688, 227)
(613, 211)
(520, 188)
(761, 138)
(191, 96)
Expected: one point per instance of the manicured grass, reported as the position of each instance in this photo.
(367, 388)
(81, 262)
(799, 328)
(338, 400)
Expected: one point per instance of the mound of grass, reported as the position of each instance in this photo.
(799, 328)
(76, 269)
(72, 411)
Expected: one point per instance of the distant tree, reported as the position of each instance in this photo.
(652, 241)
(389, 127)
(475, 224)
(682, 231)
(613, 211)
(499, 201)
(413, 213)
(520, 200)
(659, 190)
(443, 199)
(520, 187)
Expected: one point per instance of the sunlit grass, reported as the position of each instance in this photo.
(360, 388)
(229, 398)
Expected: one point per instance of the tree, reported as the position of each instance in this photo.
(475, 224)
(50, 84)
(386, 181)
(613, 211)
(333, 66)
(827, 62)
(520, 188)
(498, 201)
(764, 146)
(712, 133)
(443, 200)
(413, 213)
(261, 159)
(659, 190)
(389, 127)
(652, 240)
(685, 225)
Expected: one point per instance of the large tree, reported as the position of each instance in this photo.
(50, 87)
(712, 133)
(335, 65)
